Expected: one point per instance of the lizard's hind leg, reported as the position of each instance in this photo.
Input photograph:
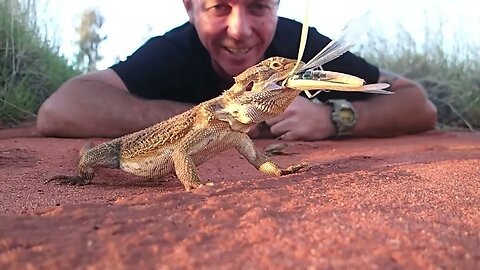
(104, 155)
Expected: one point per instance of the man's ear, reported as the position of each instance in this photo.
(189, 8)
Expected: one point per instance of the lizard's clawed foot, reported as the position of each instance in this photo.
(294, 168)
(189, 187)
(205, 189)
(68, 180)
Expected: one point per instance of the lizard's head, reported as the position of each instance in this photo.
(276, 68)
(270, 70)
(264, 100)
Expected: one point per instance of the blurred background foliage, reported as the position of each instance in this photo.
(31, 66)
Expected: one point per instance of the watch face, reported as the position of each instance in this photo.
(346, 117)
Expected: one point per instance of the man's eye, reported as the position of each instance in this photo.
(259, 5)
(259, 8)
(219, 10)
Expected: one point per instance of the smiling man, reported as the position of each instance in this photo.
(236, 33)
(196, 62)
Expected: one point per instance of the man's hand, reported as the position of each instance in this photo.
(302, 120)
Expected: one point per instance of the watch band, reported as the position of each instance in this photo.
(343, 116)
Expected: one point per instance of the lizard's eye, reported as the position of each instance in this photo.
(275, 65)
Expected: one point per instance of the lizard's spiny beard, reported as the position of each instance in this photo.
(267, 104)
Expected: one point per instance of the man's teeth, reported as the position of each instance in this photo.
(238, 51)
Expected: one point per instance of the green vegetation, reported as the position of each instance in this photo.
(30, 68)
(451, 78)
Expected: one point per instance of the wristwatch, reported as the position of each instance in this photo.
(343, 116)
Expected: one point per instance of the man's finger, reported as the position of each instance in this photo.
(275, 120)
(261, 130)
(288, 136)
(280, 128)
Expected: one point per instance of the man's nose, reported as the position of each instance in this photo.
(239, 24)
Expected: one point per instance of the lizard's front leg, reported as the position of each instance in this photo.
(185, 169)
(247, 149)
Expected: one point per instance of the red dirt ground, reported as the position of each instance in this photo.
(401, 203)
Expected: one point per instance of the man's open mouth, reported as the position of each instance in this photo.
(237, 51)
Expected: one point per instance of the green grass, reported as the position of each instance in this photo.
(451, 76)
(30, 67)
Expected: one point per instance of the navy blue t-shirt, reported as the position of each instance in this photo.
(176, 66)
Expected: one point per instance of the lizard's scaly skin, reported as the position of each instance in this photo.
(180, 143)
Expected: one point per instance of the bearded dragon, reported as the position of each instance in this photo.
(181, 143)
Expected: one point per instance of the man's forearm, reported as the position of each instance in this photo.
(84, 108)
(407, 111)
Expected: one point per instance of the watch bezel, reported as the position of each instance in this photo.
(339, 105)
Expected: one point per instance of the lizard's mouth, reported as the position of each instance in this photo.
(270, 86)
(281, 82)
(274, 86)
(249, 86)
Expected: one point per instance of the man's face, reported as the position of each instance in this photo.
(235, 32)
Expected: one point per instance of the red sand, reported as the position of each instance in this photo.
(408, 202)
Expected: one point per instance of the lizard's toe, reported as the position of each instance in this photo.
(206, 189)
(192, 186)
(294, 168)
(68, 180)
(209, 183)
